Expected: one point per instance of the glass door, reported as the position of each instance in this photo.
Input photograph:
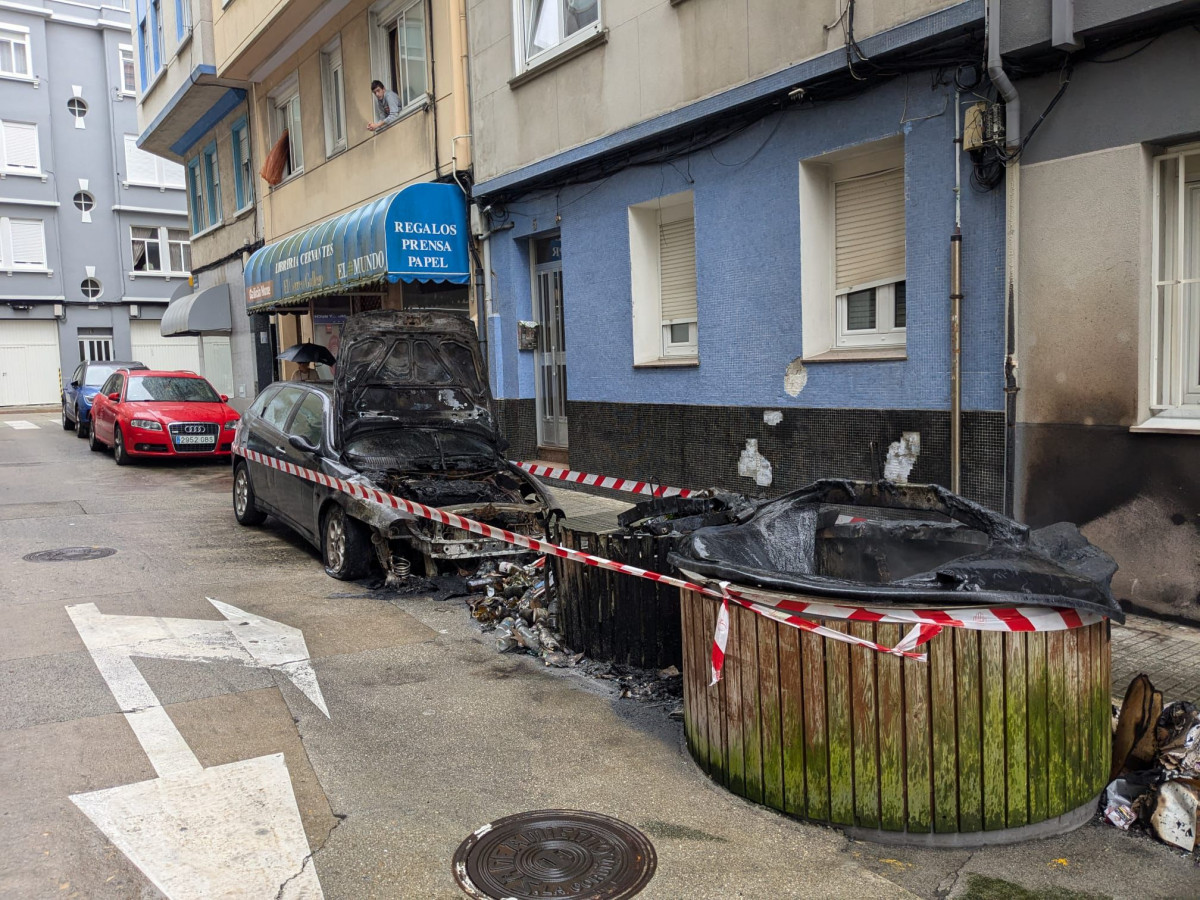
(552, 345)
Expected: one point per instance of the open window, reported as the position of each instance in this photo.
(398, 49)
(545, 29)
(285, 116)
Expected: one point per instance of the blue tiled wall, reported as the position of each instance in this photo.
(746, 194)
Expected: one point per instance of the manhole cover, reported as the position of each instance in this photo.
(69, 554)
(555, 853)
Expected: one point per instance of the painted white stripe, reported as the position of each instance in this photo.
(21, 424)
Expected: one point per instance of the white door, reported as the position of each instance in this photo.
(28, 362)
(158, 352)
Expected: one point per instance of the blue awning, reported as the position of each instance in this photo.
(417, 234)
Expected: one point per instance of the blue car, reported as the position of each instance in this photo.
(78, 393)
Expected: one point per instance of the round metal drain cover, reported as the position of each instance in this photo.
(69, 554)
(555, 853)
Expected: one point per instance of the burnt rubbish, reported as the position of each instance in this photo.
(879, 542)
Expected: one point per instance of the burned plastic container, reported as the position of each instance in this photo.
(998, 737)
(632, 621)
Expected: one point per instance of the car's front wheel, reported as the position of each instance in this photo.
(120, 454)
(345, 545)
(245, 510)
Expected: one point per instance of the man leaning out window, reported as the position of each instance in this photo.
(387, 107)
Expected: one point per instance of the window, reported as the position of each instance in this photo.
(662, 251)
(212, 183)
(546, 28)
(95, 345)
(285, 116)
(333, 90)
(147, 169)
(156, 15)
(78, 107)
(150, 43)
(195, 196)
(84, 202)
(243, 175)
(128, 74)
(1175, 310)
(308, 421)
(148, 256)
(398, 48)
(852, 251)
(90, 288)
(277, 411)
(19, 149)
(183, 18)
(14, 51)
(22, 245)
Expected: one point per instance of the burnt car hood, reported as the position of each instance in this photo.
(906, 544)
(412, 369)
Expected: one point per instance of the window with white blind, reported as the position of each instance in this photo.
(662, 257)
(146, 169)
(19, 149)
(869, 259)
(128, 71)
(22, 245)
(852, 252)
(14, 51)
(1174, 389)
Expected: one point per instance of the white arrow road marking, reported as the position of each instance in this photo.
(20, 424)
(228, 831)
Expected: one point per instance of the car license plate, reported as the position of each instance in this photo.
(196, 439)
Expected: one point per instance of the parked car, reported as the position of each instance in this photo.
(140, 412)
(77, 393)
(409, 413)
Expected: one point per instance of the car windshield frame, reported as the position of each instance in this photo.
(160, 383)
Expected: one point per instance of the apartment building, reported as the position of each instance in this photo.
(93, 230)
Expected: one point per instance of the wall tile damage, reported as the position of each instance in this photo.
(795, 377)
(901, 457)
(752, 464)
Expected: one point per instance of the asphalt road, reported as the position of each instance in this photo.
(163, 722)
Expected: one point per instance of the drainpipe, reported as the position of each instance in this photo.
(1012, 133)
(956, 297)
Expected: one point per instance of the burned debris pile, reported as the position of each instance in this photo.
(1155, 784)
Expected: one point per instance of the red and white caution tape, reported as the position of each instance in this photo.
(605, 481)
(926, 624)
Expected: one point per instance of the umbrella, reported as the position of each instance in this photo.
(309, 353)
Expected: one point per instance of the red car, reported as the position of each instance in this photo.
(141, 412)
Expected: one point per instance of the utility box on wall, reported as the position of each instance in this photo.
(527, 335)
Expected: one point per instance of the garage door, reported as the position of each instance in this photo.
(158, 352)
(28, 362)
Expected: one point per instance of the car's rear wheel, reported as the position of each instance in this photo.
(81, 430)
(345, 545)
(120, 454)
(94, 443)
(245, 510)
(67, 423)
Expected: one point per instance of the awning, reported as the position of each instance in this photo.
(417, 234)
(204, 312)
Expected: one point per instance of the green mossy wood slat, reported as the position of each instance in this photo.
(981, 737)
(889, 671)
(944, 732)
(918, 753)
(995, 774)
(864, 726)
(772, 719)
(747, 655)
(816, 732)
(791, 701)
(838, 711)
(1017, 768)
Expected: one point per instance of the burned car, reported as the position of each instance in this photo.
(409, 413)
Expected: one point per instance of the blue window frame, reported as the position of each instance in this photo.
(183, 17)
(212, 183)
(243, 180)
(195, 195)
(149, 31)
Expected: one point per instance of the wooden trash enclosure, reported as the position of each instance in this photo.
(613, 617)
(998, 737)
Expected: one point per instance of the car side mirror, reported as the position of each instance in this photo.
(224, 398)
(114, 397)
(74, 384)
(302, 443)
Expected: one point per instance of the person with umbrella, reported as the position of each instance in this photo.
(305, 356)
